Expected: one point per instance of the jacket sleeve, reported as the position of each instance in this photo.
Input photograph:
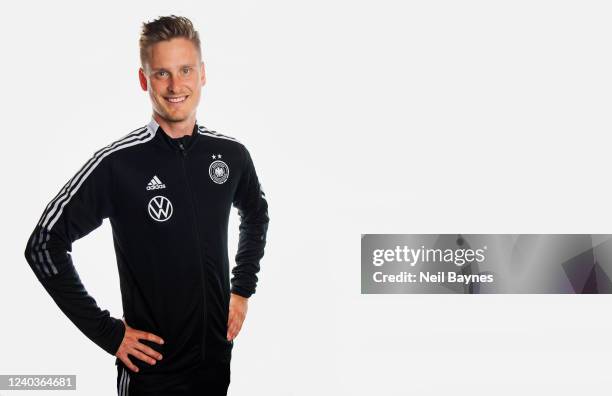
(250, 200)
(76, 210)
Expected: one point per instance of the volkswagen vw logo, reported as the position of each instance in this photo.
(160, 208)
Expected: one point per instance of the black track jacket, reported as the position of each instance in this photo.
(168, 203)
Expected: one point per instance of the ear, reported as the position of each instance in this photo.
(143, 79)
(202, 74)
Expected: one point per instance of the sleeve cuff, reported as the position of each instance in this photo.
(241, 292)
(111, 345)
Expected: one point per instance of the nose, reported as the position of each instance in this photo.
(172, 84)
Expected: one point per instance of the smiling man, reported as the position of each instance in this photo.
(167, 189)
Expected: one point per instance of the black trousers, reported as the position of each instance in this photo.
(210, 378)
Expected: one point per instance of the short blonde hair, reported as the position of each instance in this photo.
(166, 28)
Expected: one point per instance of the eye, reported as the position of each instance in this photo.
(162, 73)
(186, 69)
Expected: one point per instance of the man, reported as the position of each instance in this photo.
(167, 189)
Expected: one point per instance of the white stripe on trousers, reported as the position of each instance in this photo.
(124, 383)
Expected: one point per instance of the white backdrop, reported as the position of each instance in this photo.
(361, 117)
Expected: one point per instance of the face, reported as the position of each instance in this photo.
(174, 77)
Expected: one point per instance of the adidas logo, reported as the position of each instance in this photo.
(155, 184)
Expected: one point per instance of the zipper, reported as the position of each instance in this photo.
(197, 233)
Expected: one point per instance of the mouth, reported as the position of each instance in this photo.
(176, 99)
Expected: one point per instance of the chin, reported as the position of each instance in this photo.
(174, 117)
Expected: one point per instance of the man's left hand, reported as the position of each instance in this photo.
(237, 312)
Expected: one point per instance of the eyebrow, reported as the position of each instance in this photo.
(163, 68)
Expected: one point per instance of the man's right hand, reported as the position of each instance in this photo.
(132, 346)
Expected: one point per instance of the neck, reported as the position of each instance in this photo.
(176, 129)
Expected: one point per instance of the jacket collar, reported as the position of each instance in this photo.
(172, 143)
